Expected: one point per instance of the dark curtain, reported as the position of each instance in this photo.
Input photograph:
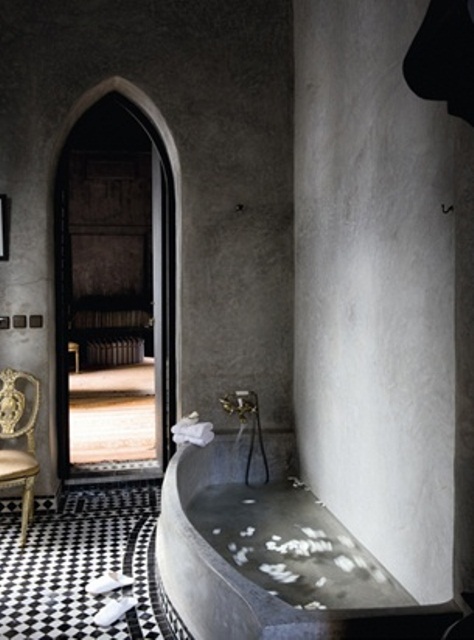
(439, 64)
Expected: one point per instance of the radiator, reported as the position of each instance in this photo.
(111, 352)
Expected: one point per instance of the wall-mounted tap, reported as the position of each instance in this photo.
(242, 403)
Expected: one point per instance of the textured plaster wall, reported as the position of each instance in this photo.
(374, 301)
(220, 76)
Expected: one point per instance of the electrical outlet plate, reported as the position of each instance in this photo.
(36, 322)
(19, 322)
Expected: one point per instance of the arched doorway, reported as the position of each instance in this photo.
(115, 274)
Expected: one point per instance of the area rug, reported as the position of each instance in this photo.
(112, 429)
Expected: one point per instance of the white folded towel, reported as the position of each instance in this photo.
(181, 438)
(195, 430)
(186, 421)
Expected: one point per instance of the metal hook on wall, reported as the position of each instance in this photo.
(446, 210)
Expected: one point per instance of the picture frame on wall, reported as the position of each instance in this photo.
(3, 228)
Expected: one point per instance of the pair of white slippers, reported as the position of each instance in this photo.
(114, 609)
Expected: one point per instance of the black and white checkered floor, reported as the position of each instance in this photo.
(94, 529)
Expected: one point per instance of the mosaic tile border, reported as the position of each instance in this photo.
(126, 465)
(98, 498)
(43, 504)
(177, 626)
(105, 472)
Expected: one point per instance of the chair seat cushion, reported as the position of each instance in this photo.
(16, 464)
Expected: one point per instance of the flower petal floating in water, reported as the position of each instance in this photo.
(313, 606)
(288, 577)
(249, 531)
(321, 582)
(344, 563)
(240, 557)
(300, 547)
(295, 481)
(272, 568)
(360, 562)
(379, 576)
(279, 572)
(346, 541)
(313, 533)
(249, 501)
(216, 531)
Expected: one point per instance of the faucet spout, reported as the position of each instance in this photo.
(242, 403)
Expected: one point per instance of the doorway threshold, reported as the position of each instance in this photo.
(124, 471)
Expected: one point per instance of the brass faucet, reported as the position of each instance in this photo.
(242, 403)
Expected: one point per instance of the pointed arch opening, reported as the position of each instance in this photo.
(116, 202)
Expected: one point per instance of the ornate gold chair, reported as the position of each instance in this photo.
(19, 404)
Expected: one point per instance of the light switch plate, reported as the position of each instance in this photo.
(36, 322)
(19, 322)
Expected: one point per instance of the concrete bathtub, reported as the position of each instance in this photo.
(215, 602)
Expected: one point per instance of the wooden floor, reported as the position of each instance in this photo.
(112, 414)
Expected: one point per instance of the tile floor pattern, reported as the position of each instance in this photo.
(96, 528)
(128, 465)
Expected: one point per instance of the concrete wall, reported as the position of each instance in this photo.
(374, 349)
(374, 310)
(219, 75)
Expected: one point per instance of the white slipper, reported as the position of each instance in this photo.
(113, 610)
(108, 582)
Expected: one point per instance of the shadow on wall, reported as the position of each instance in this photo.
(439, 64)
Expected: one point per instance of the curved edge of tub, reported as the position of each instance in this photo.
(215, 602)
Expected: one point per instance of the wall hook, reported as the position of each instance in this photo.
(447, 209)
